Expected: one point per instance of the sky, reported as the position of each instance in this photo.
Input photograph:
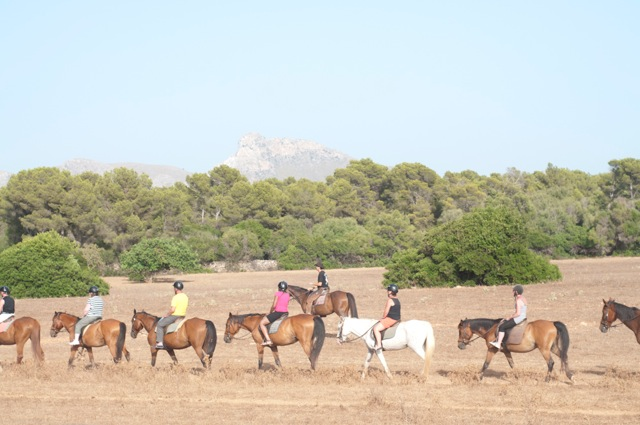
(464, 85)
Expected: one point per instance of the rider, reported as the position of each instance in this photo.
(7, 304)
(279, 308)
(319, 287)
(92, 312)
(178, 310)
(390, 316)
(517, 317)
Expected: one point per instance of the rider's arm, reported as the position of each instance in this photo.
(387, 307)
(273, 306)
(86, 309)
(517, 312)
(171, 311)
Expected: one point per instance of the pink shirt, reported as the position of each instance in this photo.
(282, 305)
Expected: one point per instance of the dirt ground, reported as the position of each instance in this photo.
(606, 367)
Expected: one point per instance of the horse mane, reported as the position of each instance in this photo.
(625, 313)
(68, 314)
(482, 323)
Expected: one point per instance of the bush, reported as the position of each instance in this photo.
(485, 247)
(47, 265)
(155, 255)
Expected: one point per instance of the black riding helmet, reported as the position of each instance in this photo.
(283, 286)
(393, 288)
(93, 290)
(178, 285)
(518, 289)
(4, 289)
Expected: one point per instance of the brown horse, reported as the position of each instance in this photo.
(341, 303)
(305, 328)
(549, 337)
(629, 316)
(197, 333)
(109, 332)
(19, 332)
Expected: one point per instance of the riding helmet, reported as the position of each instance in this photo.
(93, 290)
(393, 288)
(4, 289)
(283, 286)
(519, 289)
(178, 285)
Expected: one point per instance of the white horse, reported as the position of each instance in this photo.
(416, 334)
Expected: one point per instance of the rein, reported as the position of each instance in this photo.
(357, 337)
(622, 322)
(250, 332)
(477, 336)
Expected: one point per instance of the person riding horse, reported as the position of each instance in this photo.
(390, 316)
(92, 313)
(178, 310)
(320, 287)
(279, 308)
(7, 304)
(519, 316)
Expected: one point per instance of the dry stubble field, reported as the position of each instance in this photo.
(607, 371)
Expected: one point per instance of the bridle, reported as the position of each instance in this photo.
(339, 336)
(609, 324)
(470, 340)
(235, 321)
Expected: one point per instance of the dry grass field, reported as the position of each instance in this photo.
(606, 366)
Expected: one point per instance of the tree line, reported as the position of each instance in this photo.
(361, 215)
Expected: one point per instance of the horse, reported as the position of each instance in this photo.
(415, 334)
(629, 316)
(339, 302)
(19, 332)
(195, 332)
(109, 332)
(305, 328)
(549, 337)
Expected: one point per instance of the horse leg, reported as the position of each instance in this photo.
(486, 363)
(276, 355)
(154, 355)
(507, 354)
(90, 351)
(367, 362)
(126, 353)
(384, 363)
(20, 350)
(260, 354)
(72, 355)
(201, 355)
(546, 353)
(172, 354)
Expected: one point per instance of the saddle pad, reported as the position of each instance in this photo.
(390, 332)
(4, 326)
(83, 330)
(174, 326)
(321, 299)
(273, 327)
(515, 335)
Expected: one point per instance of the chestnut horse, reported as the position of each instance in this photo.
(548, 337)
(19, 332)
(341, 303)
(109, 332)
(629, 316)
(197, 333)
(305, 328)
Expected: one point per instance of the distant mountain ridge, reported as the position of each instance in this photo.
(257, 159)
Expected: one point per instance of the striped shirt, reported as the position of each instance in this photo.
(96, 304)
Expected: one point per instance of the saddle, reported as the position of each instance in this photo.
(174, 327)
(387, 333)
(6, 323)
(514, 335)
(322, 297)
(273, 327)
(84, 329)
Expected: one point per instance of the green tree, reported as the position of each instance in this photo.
(47, 265)
(151, 256)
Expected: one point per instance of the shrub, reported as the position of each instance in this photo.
(155, 255)
(47, 265)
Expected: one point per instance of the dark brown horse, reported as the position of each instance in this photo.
(629, 316)
(19, 332)
(305, 328)
(341, 303)
(548, 337)
(109, 332)
(197, 333)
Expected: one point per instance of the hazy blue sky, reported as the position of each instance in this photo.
(454, 85)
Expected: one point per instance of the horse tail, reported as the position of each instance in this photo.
(429, 348)
(120, 342)
(352, 305)
(562, 345)
(317, 340)
(210, 339)
(35, 342)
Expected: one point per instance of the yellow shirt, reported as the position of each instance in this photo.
(180, 302)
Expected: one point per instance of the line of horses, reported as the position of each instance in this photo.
(549, 337)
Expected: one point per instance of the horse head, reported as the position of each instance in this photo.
(464, 334)
(231, 328)
(608, 315)
(57, 324)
